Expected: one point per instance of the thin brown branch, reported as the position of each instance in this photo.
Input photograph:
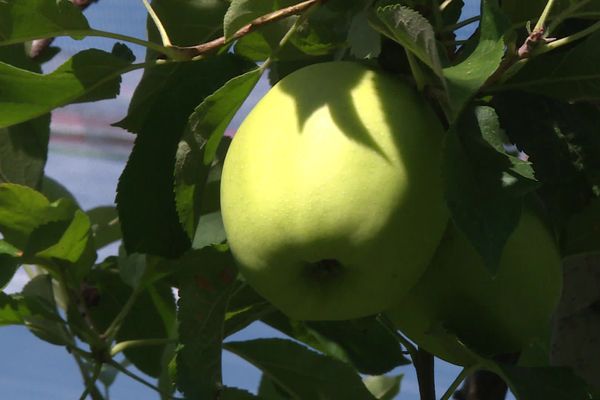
(204, 48)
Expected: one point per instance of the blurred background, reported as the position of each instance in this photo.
(87, 155)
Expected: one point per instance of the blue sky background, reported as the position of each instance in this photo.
(88, 158)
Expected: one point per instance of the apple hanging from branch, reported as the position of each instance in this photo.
(494, 315)
(331, 194)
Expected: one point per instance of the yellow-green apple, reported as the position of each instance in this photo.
(494, 315)
(330, 193)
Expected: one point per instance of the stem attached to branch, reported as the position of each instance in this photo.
(164, 36)
(122, 346)
(91, 383)
(115, 325)
(141, 380)
(288, 36)
(456, 383)
(541, 23)
(422, 360)
(204, 48)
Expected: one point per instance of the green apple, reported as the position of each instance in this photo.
(330, 194)
(493, 315)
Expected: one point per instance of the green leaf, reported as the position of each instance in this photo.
(245, 307)
(88, 76)
(71, 243)
(411, 30)
(54, 190)
(566, 75)
(492, 133)
(300, 371)
(203, 299)
(383, 387)
(188, 22)
(271, 390)
(364, 41)
(483, 193)
(210, 230)
(23, 209)
(523, 11)
(242, 12)
(44, 320)
(144, 320)
(105, 225)
(198, 148)
(363, 343)
(548, 383)
(215, 113)
(145, 197)
(8, 268)
(562, 142)
(13, 310)
(8, 249)
(23, 147)
(132, 268)
(465, 79)
(24, 20)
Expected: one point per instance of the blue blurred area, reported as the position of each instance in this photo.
(88, 158)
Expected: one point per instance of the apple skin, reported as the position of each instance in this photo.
(330, 193)
(493, 315)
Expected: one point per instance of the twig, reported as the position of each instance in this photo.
(541, 22)
(139, 379)
(115, 325)
(164, 36)
(287, 37)
(201, 49)
(445, 4)
(569, 39)
(122, 346)
(461, 24)
(91, 384)
(456, 383)
(424, 365)
(389, 326)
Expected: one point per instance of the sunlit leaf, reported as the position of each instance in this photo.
(88, 76)
(145, 196)
(465, 79)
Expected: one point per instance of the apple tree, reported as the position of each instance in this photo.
(456, 214)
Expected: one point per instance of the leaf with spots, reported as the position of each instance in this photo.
(204, 294)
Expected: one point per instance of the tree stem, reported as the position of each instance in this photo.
(456, 383)
(424, 365)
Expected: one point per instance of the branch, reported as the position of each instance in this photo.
(204, 48)
(424, 366)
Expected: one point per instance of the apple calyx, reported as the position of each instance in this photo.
(325, 270)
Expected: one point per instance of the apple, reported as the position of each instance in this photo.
(493, 315)
(330, 194)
